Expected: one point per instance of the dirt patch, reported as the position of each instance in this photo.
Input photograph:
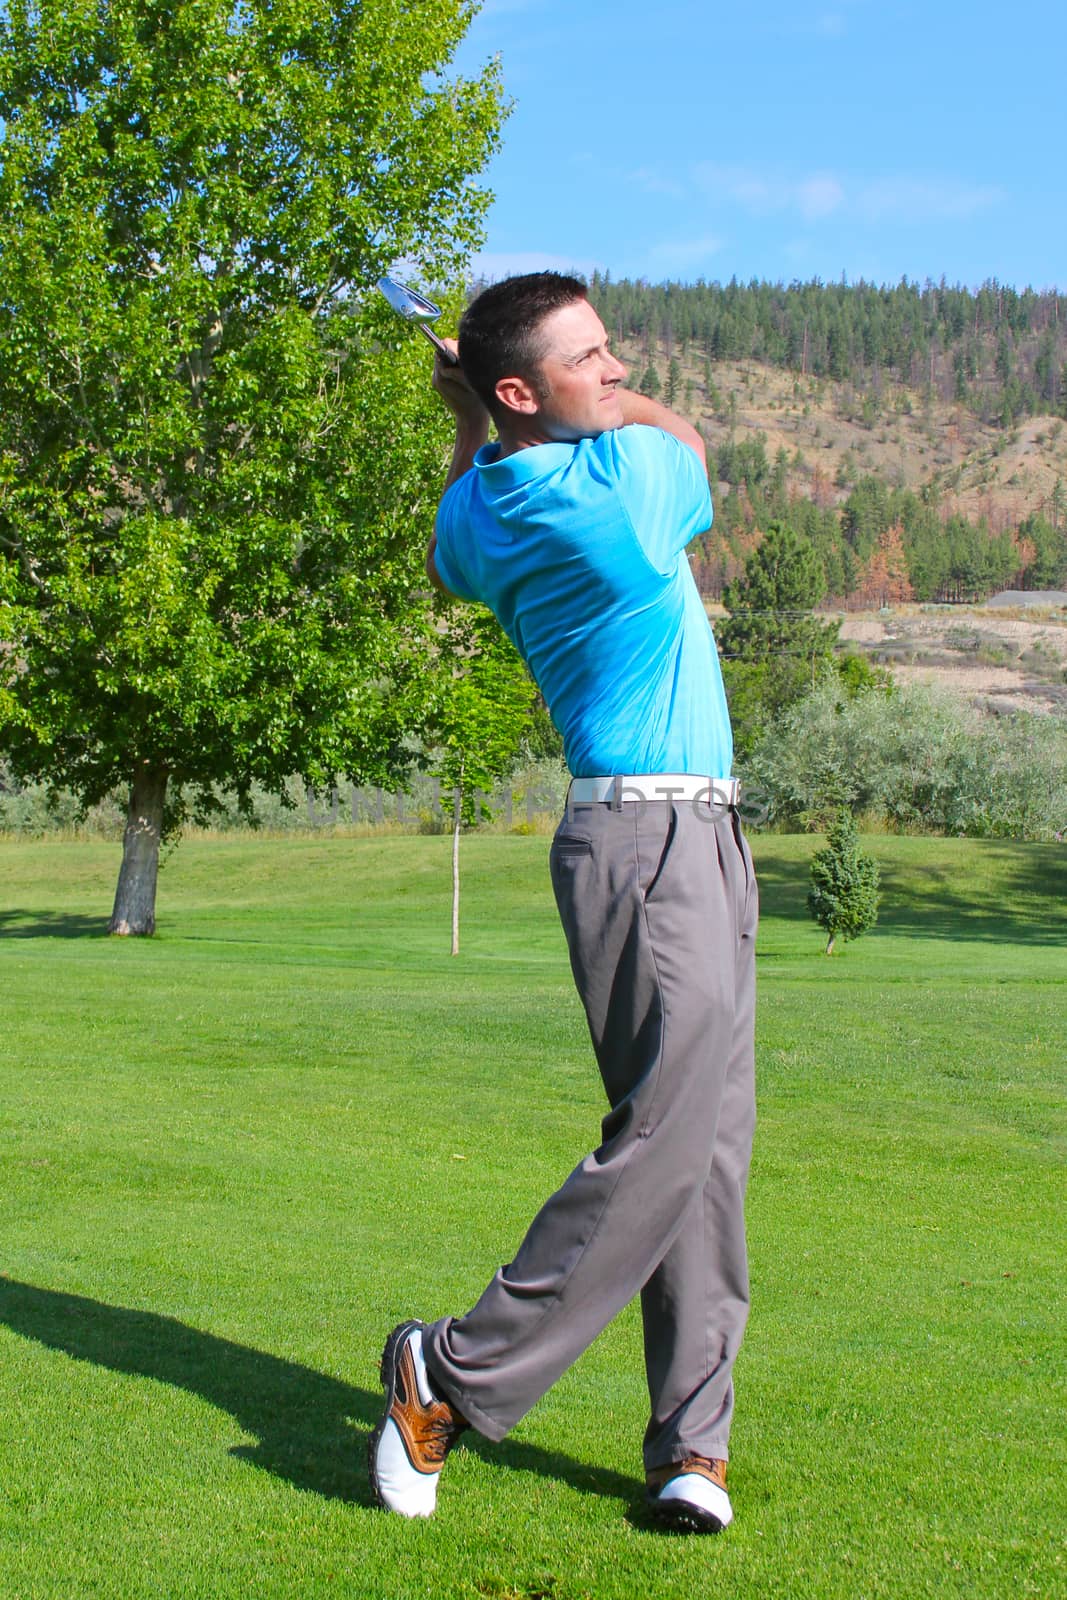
(1004, 662)
(995, 687)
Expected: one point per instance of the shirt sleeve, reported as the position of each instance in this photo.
(446, 558)
(664, 488)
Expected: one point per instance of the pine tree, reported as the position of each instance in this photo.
(843, 897)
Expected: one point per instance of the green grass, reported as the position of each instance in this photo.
(231, 1158)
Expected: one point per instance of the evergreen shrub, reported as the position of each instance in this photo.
(843, 897)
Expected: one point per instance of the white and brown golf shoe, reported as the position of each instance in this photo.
(690, 1495)
(417, 1430)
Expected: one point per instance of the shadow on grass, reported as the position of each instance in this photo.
(1017, 895)
(16, 924)
(301, 1418)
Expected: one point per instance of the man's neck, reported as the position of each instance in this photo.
(522, 438)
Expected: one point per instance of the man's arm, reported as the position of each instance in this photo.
(639, 408)
(472, 431)
(472, 419)
(433, 574)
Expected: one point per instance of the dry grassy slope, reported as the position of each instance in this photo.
(1003, 660)
(1003, 475)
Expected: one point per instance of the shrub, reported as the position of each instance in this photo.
(843, 897)
(857, 675)
(913, 759)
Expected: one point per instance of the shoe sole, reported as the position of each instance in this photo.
(388, 1372)
(681, 1516)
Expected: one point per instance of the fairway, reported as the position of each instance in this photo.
(232, 1157)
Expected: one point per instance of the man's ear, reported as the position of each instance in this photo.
(517, 395)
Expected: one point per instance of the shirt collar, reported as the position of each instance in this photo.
(536, 461)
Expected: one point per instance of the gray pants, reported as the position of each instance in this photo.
(659, 905)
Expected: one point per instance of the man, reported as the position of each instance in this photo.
(573, 529)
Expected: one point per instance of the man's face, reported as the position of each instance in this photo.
(577, 376)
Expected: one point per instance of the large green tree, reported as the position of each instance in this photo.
(217, 465)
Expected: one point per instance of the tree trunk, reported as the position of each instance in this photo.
(135, 896)
(457, 818)
(830, 944)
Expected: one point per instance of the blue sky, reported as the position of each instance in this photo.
(791, 139)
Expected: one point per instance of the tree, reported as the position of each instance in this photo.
(650, 381)
(479, 717)
(215, 457)
(843, 897)
(773, 649)
(1057, 504)
(865, 515)
(884, 580)
(1047, 567)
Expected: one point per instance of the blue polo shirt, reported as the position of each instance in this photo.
(579, 550)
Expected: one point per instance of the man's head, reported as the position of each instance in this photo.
(536, 353)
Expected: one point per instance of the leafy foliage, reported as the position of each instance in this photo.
(215, 456)
(880, 542)
(843, 897)
(772, 648)
(912, 758)
(1008, 350)
(479, 714)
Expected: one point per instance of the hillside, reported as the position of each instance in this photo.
(915, 436)
(980, 470)
(998, 352)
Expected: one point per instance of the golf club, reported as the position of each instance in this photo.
(414, 307)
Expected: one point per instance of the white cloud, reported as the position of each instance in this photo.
(819, 195)
(753, 190)
(818, 25)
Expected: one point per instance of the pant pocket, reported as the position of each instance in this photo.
(653, 854)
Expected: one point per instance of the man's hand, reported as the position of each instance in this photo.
(451, 384)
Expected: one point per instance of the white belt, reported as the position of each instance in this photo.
(621, 789)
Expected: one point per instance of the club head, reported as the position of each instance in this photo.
(415, 308)
(408, 303)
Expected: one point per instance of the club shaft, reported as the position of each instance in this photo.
(439, 345)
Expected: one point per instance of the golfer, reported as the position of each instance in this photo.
(572, 528)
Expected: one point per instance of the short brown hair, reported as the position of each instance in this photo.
(499, 331)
